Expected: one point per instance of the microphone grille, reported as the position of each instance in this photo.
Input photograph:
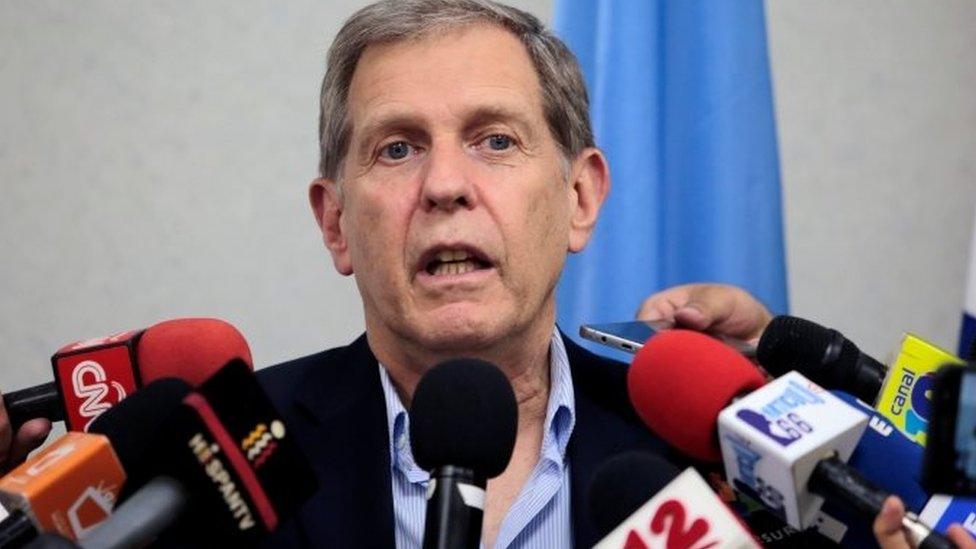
(191, 349)
(133, 425)
(791, 343)
(622, 484)
(464, 414)
(680, 381)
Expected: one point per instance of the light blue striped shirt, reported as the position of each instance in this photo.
(540, 516)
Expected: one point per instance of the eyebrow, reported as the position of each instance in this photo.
(386, 122)
(412, 123)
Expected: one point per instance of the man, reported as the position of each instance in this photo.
(458, 169)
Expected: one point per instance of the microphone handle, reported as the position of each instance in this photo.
(455, 509)
(17, 530)
(869, 376)
(138, 521)
(838, 481)
(34, 402)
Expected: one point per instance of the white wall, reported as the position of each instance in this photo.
(876, 109)
(154, 159)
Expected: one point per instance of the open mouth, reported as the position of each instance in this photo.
(445, 262)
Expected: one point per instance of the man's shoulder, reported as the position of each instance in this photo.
(284, 382)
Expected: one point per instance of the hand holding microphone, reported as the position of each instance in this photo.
(890, 534)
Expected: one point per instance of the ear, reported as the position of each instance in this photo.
(326, 202)
(589, 186)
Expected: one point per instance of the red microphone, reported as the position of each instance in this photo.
(93, 375)
(706, 373)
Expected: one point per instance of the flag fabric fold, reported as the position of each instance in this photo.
(681, 103)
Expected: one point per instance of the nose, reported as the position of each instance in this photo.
(446, 185)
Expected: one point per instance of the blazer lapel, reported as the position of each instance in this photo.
(346, 438)
(605, 426)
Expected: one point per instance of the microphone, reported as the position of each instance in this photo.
(889, 459)
(905, 397)
(93, 375)
(639, 500)
(229, 449)
(72, 484)
(783, 444)
(143, 517)
(463, 420)
(821, 354)
(704, 372)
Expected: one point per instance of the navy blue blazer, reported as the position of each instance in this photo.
(333, 404)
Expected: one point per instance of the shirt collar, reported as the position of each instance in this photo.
(560, 415)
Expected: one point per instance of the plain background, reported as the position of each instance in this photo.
(154, 159)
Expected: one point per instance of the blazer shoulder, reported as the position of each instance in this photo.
(291, 380)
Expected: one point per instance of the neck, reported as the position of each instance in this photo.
(523, 358)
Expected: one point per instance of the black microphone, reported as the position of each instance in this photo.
(624, 483)
(70, 486)
(821, 354)
(228, 447)
(463, 420)
(638, 499)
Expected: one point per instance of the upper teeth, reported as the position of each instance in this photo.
(452, 255)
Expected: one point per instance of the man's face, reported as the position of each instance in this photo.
(454, 213)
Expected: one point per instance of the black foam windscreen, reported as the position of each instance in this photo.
(134, 424)
(464, 414)
(622, 484)
(820, 353)
(248, 415)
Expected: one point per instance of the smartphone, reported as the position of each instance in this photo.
(630, 336)
(949, 466)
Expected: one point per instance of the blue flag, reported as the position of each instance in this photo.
(681, 103)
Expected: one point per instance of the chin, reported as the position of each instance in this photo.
(461, 335)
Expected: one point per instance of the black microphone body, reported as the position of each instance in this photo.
(34, 402)
(17, 530)
(452, 522)
(838, 481)
(463, 421)
(821, 354)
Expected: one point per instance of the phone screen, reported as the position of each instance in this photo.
(950, 449)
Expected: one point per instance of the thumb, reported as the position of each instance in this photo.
(887, 525)
(708, 306)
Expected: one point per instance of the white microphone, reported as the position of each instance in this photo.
(672, 510)
(787, 443)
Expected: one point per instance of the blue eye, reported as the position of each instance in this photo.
(397, 150)
(499, 142)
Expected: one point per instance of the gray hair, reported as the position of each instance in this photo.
(564, 99)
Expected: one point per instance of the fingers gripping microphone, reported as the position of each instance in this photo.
(822, 355)
(463, 420)
(93, 375)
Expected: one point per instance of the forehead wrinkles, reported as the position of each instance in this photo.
(476, 63)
